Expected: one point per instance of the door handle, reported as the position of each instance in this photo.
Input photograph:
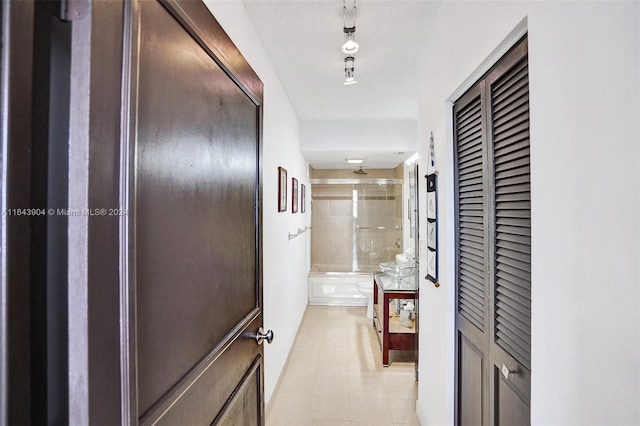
(506, 372)
(261, 336)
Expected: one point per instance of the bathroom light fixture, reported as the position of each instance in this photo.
(355, 160)
(349, 71)
(350, 46)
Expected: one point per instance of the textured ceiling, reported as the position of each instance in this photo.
(303, 38)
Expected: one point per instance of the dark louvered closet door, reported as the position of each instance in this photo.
(493, 246)
(471, 186)
(470, 199)
(508, 88)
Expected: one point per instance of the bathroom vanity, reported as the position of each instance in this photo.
(396, 330)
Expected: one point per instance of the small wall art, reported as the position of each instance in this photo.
(432, 228)
(303, 198)
(282, 189)
(294, 195)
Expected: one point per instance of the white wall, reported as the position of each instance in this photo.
(585, 204)
(584, 95)
(322, 140)
(286, 263)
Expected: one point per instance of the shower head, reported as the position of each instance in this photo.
(360, 171)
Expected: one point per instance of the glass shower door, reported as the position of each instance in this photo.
(355, 226)
(377, 224)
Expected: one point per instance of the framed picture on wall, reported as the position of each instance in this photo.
(431, 235)
(282, 189)
(432, 228)
(432, 265)
(431, 205)
(294, 195)
(303, 198)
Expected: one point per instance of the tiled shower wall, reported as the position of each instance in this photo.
(346, 234)
(332, 228)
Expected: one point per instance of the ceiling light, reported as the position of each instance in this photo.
(355, 160)
(409, 161)
(350, 46)
(349, 71)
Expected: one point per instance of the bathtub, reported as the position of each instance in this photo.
(337, 288)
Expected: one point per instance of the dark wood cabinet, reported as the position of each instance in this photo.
(393, 332)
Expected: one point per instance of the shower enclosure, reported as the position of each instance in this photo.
(356, 224)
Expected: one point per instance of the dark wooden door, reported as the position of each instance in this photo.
(471, 259)
(159, 117)
(194, 256)
(493, 246)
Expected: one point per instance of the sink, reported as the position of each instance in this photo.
(397, 271)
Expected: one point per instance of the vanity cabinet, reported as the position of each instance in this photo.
(393, 333)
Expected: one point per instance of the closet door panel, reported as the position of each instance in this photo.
(493, 245)
(508, 95)
(471, 259)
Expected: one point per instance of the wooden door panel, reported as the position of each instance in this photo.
(471, 281)
(511, 409)
(196, 219)
(240, 408)
(520, 378)
(218, 389)
(470, 384)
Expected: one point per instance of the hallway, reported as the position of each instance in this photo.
(158, 158)
(335, 375)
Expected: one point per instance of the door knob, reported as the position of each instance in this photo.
(506, 372)
(268, 336)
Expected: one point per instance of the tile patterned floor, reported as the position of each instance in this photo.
(335, 375)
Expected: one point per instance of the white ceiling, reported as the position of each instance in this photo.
(303, 38)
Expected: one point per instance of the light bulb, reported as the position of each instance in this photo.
(350, 46)
(349, 81)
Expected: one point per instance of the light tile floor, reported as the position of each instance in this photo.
(335, 375)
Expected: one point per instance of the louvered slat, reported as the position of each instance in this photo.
(514, 230)
(473, 263)
(513, 196)
(470, 194)
(516, 296)
(523, 127)
(512, 189)
(513, 287)
(511, 100)
(506, 278)
(510, 134)
(471, 289)
(515, 138)
(507, 310)
(516, 336)
(466, 230)
(514, 222)
(472, 271)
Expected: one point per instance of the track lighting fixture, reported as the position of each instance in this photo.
(349, 71)
(350, 46)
